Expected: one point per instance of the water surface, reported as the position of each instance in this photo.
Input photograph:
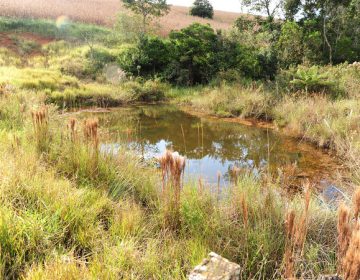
(213, 145)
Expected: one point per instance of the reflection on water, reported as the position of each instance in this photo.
(211, 145)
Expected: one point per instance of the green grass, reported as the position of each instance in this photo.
(65, 206)
(47, 28)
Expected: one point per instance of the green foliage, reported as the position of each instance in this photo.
(202, 8)
(290, 44)
(98, 59)
(128, 27)
(151, 58)
(48, 28)
(150, 91)
(195, 52)
(310, 79)
(147, 9)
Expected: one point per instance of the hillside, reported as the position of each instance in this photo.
(104, 12)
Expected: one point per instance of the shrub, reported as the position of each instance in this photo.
(202, 8)
(98, 58)
(151, 90)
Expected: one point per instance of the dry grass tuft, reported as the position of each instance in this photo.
(172, 168)
(351, 261)
(40, 119)
(344, 230)
(72, 128)
(296, 232)
(91, 131)
(356, 203)
(349, 240)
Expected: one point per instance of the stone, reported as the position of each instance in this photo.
(216, 267)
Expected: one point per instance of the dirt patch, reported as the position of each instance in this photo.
(24, 44)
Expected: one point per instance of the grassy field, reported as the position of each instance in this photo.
(104, 12)
(69, 211)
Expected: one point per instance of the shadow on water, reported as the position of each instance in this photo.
(212, 145)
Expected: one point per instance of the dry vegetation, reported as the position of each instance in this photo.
(104, 12)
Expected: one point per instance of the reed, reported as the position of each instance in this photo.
(218, 184)
(72, 129)
(172, 169)
(356, 203)
(349, 240)
(91, 132)
(40, 119)
(296, 232)
(351, 261)
(289, 256)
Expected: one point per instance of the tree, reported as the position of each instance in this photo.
(195, 53)
(202, 8)
(290, 44)
(268, 7)
(147, 9)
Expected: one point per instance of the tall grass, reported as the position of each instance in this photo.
(79, 212)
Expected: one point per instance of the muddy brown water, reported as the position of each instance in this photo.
(212, 145)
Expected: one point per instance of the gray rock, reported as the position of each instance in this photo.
(216, 267)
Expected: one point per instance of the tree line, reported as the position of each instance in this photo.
(286, 34)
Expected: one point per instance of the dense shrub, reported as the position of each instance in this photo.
(311, 80)
(195, 52)
(151, 90)
(194, 55)
(202, 8)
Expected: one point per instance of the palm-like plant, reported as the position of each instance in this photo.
(310, 79)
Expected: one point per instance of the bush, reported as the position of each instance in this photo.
(98, 58)
(151, 90)
(311, 80)
(202, 8)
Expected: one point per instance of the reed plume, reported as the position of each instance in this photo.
(351, 261)
(344, 231)
(289, 252)
(245, 212)
(296, 235)
(72, 128)
(91, 131)
(172, 167)
(235, 172)
(356, 203)
(41, 128)
(349, 241)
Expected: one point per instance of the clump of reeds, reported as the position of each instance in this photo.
(172, 168)
(296, 231)
(349, 240)
(91, 131)
(40, 121)
(351, 260)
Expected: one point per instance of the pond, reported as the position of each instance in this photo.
(213, 146)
